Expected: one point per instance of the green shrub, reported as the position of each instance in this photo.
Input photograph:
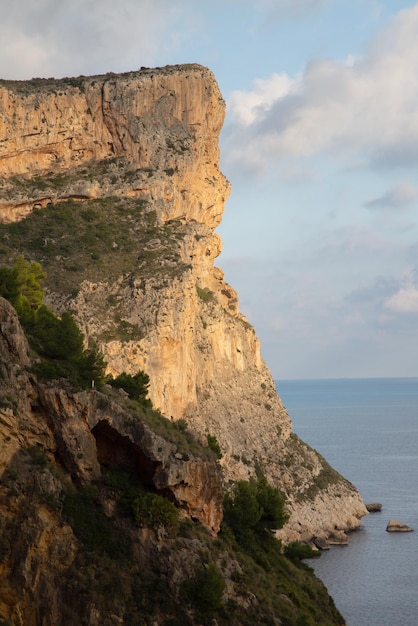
(22, 286)
(214, 446)
(272, 503)
(181, 425)
(298, 551)
(253, 507)
(206, 591)
(9, 287)
(125, 486)
(61, 342)
(242, 512)
(37, 455)
(205, 294)
(153, 511)
(252, 510)
(57, 339)
(83, 511)
(136, 386)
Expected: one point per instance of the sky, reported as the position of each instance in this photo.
(320, 144)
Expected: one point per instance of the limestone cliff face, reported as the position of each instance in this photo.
(151, 137)
(164, 122)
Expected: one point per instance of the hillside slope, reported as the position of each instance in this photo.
(109, 514)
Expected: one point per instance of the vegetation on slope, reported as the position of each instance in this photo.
(57, 340)
(137, 561)
(142, 564)
(106, 238)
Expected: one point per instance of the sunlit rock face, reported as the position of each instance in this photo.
(165, 123)
(152, 136)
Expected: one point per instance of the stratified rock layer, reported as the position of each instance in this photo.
(152, 136)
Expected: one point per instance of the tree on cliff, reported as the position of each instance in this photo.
(252, 508)
(22, 286)
(136, 386)
(57, 339)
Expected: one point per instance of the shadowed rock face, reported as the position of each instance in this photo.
(152, 137)
(53, 438)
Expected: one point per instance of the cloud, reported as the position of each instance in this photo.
(248, 107)
(56, 37)
(365, 106)
(398, 197)
(403, 301)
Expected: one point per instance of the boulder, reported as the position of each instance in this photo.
(397, 527)
(374, 507)
(321, 543)
(338, 538)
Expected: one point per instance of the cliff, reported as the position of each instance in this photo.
(100, 504)
(113, 183)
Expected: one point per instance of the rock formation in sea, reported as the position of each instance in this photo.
(394, 526)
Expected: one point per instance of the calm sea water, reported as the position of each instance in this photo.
(367, 429)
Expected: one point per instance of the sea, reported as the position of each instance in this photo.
(367, 429)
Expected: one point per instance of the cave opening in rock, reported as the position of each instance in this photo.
(114, 449)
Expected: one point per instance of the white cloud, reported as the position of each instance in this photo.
(404, 301)
(251, 106)
(56, 37)
(366, 106)
(399, 196)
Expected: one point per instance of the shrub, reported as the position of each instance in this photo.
(252, 511)
(153, 511)
(136, 386)
(83, 511)
(298, 551)
(205, 294)
(241, 509)
(214, 446)
(57, 339)
(37, 455)
(254, 506)
(181, 425)
(272, 504)
(121, 482)
(22, 286)
(9, 287)
(206, 591)
(61, 342)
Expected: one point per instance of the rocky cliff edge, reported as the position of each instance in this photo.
(117, 179)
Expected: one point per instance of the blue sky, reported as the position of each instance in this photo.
(320, 144)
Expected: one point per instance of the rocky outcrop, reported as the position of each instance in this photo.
(374, 507)
(149, 139)
(397, 527)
